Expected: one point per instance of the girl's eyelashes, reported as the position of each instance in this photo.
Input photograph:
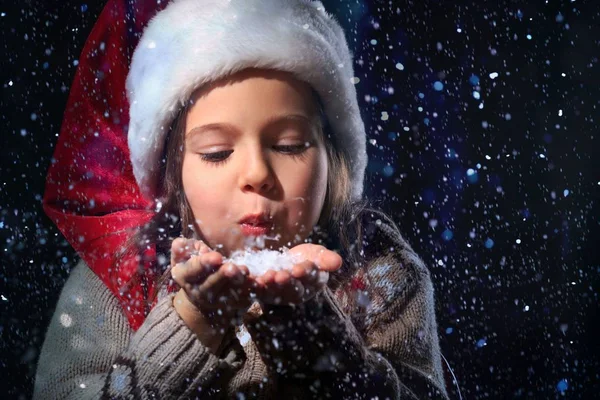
(217, 157)
(220, 157)
(292, 149)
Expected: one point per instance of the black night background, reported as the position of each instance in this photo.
(483, 121)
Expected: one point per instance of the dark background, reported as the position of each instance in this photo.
(500, 201)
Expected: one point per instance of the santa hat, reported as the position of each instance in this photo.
(191, 43)
(91, 194)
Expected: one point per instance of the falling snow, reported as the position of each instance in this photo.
(482, 123)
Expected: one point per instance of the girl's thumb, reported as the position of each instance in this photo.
(328, 260)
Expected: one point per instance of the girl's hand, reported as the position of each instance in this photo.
(220, 292)
(303, 282)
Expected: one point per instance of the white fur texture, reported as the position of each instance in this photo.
(193, 42)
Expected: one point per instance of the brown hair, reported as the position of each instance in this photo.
(337, 228)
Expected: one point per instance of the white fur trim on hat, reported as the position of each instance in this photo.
(193, 42)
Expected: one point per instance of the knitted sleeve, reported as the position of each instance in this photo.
(375, 336)
(90, 352)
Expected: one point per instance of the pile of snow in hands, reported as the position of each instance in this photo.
(259, 262)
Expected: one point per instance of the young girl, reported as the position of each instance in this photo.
(244, 131)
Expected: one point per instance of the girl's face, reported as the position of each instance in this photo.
(253, 146)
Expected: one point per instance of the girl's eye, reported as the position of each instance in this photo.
(292, 149)
(220, 157)
(217, 157)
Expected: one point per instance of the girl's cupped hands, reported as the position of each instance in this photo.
(224, 291)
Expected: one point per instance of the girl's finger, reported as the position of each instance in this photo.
(324, 258)
(328, 260)
(211, 258)
(244, 270)
(196, 269)
(201, 247)
(205, 265)
(183, 273)
(181, 249)
(267, 278)
(234, 273)
(306, 271)
(299, 271)
(227, 275)
(282, 277)
(312, 277)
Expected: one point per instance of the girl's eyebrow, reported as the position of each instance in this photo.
(274, 120)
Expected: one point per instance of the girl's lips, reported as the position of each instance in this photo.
(255, 230)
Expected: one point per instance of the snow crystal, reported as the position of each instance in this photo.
(363, 299)
(562, 385)
(447, 235)
(388, 170)
(66, 320)
(243, 335)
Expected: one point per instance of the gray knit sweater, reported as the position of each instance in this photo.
(370, 334)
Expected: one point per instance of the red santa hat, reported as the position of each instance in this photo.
(91, 194)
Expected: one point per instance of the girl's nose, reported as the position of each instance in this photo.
(256, 174)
